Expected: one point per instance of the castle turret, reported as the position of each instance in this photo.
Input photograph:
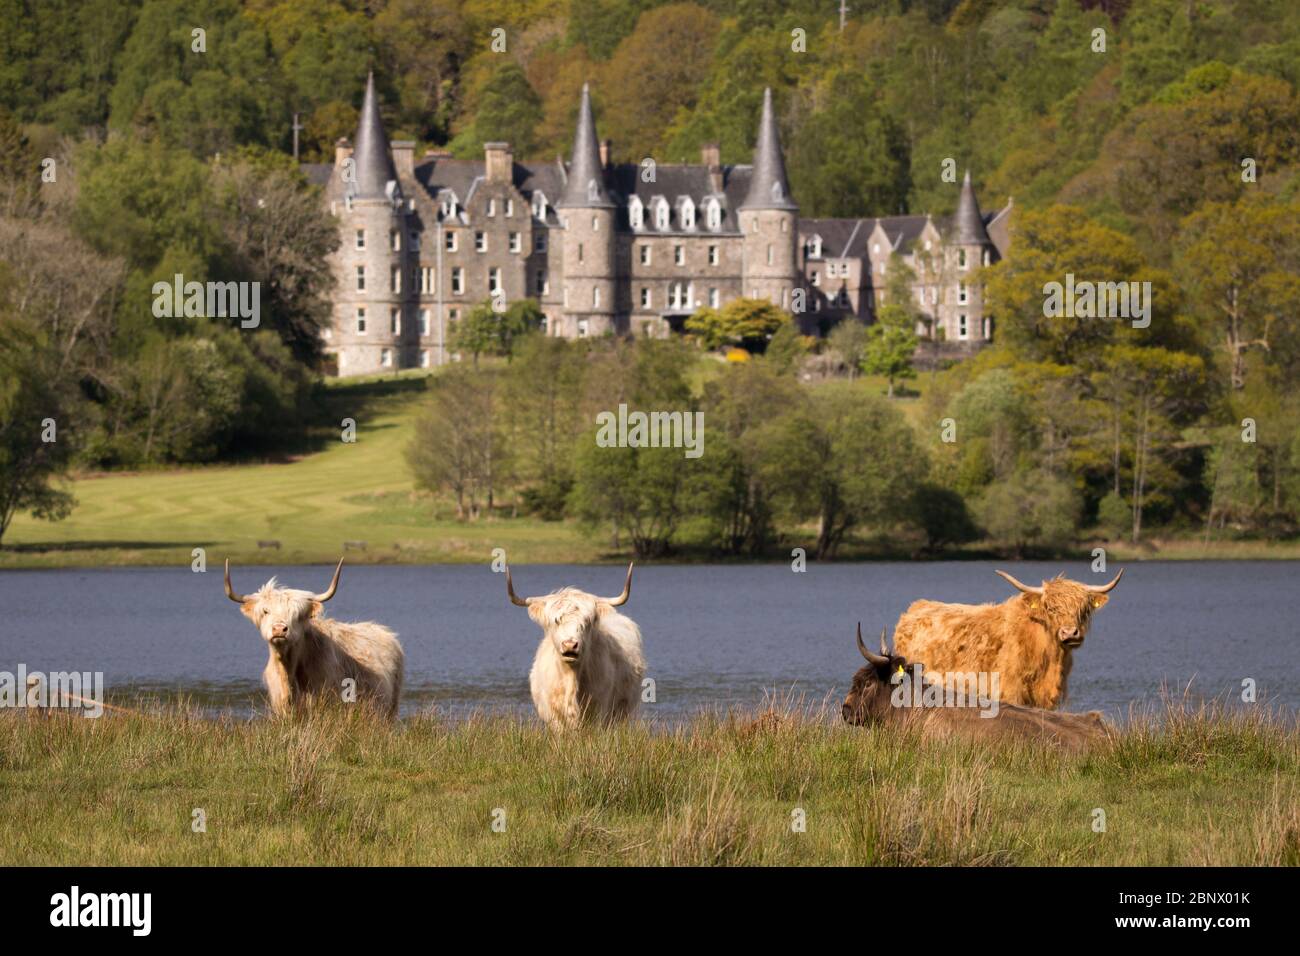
(372, 331)
(967, 248)
(768, 219)
(589, 217)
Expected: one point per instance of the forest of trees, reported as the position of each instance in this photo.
(1144, 140)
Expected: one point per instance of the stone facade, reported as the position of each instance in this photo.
(616, 248)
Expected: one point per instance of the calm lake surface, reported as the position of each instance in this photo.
(715, 636)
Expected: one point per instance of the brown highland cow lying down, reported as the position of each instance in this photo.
(889, 690)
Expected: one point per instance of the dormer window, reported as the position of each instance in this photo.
(662, 214)
(636, 213)
(814, 247)
(686, 212)
(539, 205)
(713, 214)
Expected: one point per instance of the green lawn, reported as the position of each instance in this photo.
(346, 492)
(1200, 789)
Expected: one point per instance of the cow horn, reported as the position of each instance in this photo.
(883, 649)
(627, 589)
(510, 589)
(1020, 587)
(1105, 588)
(871, 658)
(230, 592)
(334, 585)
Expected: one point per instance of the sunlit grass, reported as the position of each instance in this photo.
(1191, 786)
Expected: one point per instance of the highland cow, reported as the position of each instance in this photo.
(588, 667)
(311, 656)
(879, 696)
(1028, 640)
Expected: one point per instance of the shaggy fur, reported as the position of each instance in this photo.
(603, 684)
(311, 655)
(870, 702)
(1028, 640)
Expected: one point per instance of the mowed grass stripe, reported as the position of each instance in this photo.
(311, 505)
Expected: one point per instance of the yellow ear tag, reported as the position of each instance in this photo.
(1033, 604)
(1096, 602)
(900, 668)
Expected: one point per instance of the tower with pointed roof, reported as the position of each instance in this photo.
(966, 250)
(372, 328)
(768, 219)
(589, 218)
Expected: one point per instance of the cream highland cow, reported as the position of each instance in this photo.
(312, 656)
(588, 668)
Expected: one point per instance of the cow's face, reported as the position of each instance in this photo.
(1064, 609)
(568, 617)
(870, 696)
(281, 615)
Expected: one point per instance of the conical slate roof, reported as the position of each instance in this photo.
(768, 187)
(585, 187)
(373, 161)
(968, 224)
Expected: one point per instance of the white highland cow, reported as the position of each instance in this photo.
(312, 655)
(588, 667)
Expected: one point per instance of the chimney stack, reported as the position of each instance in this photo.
(711, 156)
(342, 150)
(500, 163)
(404, 157)
(606, 152)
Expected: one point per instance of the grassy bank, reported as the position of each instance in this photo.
(1195, 788)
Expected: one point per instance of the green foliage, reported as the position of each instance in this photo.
(1030, 509)
(891, 342)
(848, 158)
(32, 400)
(643, 493)
(825, 463)
(750, 323)
(458, 445)
(506, 108)
(942, 514)
(484, 330)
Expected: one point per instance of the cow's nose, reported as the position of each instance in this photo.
(569, 646)
(279, 630)
(1069, 633)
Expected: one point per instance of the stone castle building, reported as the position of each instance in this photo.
(617, 248)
